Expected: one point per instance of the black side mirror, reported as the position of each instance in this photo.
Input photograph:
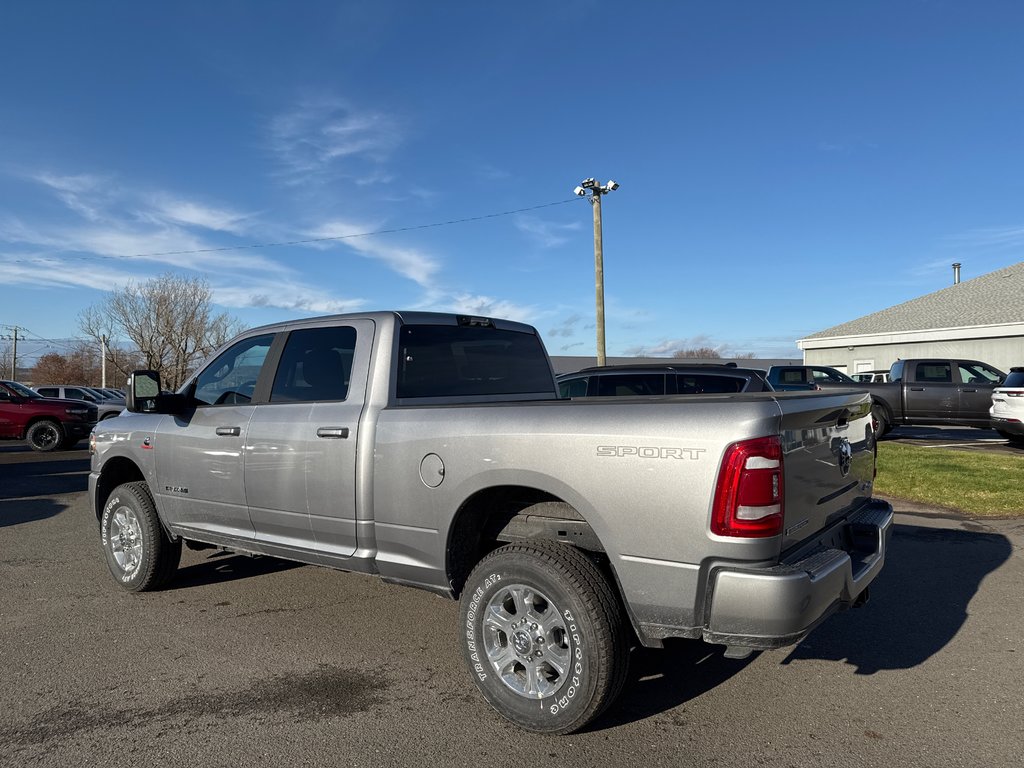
(143, 390)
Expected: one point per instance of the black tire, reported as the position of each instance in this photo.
(879, 414)
(45, 436)
(529, 599)
(139, 553)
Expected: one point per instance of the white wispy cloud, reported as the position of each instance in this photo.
(190, 213)
(989, 237)
(546, 234)
(85, 194)
(408, 262)
(295, 296)
(488, 306)
(327, 136)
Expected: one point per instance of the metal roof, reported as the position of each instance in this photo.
(992, 299)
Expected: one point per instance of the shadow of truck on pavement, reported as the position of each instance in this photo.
(918, 603)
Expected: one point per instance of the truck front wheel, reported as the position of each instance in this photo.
(44, 436)
(140, 555)
(544, 637)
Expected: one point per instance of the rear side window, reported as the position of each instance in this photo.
(316, 365)
(573, 387)
(47, 391)
(699, 384)
(627, 384)
(935, 373)
(792, 376)
(463, 361)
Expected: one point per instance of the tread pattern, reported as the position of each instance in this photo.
(164, 554)
(582, 576)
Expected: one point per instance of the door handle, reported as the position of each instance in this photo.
(968, 390)
(917, 389)
(229, 431)
(334, 432)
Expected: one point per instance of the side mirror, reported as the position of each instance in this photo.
(143, 390)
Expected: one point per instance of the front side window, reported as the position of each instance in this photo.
(976, 373)
(832, 377)
(74, 393)
(316, 365)
(231, 378)
(48, 391)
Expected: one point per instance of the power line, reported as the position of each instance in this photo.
(314, 239)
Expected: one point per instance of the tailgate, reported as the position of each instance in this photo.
(828, 450)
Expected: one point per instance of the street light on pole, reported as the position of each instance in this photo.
(596, 190)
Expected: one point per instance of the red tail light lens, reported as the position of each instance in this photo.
(748, 497)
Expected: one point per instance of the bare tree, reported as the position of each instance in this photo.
(700, 353)
(169, 319)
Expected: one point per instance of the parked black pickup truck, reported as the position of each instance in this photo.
(923, 391)
(935, 391)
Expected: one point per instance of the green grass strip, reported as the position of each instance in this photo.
(969, 481)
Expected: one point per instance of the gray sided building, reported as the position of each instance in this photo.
(979, 319)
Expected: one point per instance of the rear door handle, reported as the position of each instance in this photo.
(229, 431)
(338, 433)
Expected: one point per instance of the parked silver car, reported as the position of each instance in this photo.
(107, 408)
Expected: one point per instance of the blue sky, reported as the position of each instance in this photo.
(784, 166)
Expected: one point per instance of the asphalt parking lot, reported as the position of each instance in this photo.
(254, 661)
(957, 438)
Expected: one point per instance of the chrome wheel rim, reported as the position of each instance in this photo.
(526, 641)
(126, 539)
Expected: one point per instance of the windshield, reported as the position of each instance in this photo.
(24, 391)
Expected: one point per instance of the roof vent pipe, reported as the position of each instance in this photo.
(956, 273)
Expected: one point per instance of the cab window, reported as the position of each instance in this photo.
(934, 373)
(316, 365)
(231, 378)
(976, 373)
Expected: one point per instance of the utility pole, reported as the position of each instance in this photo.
(103, 362)
(596, 190)
(14, 349)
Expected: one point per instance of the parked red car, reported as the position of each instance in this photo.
(45, 423)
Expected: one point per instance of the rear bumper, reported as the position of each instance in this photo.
(1011, 426)
(760, 608)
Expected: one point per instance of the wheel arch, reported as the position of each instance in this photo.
(41, 417)
(504, 513)
(116, 471)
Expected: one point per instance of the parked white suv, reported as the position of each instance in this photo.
(1007, 409)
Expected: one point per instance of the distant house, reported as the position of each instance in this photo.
(980, 319)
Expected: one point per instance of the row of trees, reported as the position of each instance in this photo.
(165, 324)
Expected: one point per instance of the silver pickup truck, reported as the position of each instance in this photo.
(432, 450)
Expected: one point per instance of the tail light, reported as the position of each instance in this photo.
(748, 498)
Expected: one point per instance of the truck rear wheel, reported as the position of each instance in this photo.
(139, 553)
(544, 637)
(44, 436)
(878, 413)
